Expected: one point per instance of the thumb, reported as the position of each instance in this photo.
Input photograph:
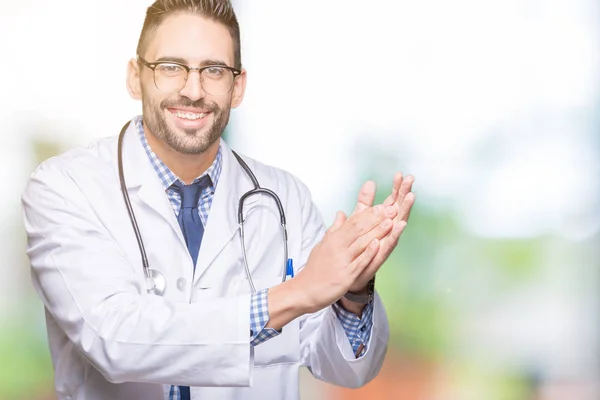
(366, 196)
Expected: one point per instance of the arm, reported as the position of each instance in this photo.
(326, 347)
(357, 319)
(331, 346)
(91, 289)
(327, 261)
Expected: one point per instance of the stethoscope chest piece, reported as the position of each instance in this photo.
(155, 283)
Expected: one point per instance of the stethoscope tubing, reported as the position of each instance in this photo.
(155, 282)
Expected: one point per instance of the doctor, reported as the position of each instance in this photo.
(190, 310)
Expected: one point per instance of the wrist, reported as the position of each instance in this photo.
(350, 306)
(285, 303)
(364, 296)
(360, 292)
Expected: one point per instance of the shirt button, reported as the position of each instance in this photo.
(181, 283)
(363, 328)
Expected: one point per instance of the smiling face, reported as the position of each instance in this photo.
(188, 121)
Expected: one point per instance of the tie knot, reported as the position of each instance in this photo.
(190, 194)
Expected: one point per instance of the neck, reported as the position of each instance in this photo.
(187, 167)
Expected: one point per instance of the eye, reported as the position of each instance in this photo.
(170, 69)
(214, 72)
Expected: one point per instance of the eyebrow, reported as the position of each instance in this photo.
(183, 61)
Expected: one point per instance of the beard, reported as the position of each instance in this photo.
(188, 141)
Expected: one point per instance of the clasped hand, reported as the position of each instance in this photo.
(354, 248)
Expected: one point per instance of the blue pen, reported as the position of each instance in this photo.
(289, 271)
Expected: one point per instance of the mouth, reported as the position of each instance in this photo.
(189, 118)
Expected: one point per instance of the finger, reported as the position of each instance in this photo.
(386, 247)
(379, 232)
(361, 223)
(366, 196)
(340, 218)
(390, 242)
(403, 206)
(404, 189)
(391, 199)
(364, 259)
(406, 207)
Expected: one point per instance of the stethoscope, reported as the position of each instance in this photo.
(155, 280)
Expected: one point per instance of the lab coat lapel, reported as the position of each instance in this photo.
(140, 174)
(222, 219)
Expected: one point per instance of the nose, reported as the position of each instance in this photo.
(193, 87)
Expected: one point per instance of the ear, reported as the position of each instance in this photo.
(134, 84)
(239, 88)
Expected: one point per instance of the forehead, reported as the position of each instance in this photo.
(193, 38)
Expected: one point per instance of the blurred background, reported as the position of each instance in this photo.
(494, 106)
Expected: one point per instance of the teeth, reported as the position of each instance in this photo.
(190, 116)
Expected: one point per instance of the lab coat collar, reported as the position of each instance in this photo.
(137, 167)
(140, 174)
(222, 221)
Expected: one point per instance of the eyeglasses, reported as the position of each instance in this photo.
(170, 76)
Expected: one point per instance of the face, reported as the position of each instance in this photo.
(189, 121)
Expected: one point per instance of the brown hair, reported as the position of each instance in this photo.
(216, 10)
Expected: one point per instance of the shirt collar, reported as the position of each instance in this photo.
(167, 177)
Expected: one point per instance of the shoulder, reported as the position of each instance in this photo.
(83, 163)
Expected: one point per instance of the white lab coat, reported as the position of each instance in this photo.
(109, 339)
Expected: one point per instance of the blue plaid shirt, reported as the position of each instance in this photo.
(357, 329)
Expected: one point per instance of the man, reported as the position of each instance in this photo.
(223, 325)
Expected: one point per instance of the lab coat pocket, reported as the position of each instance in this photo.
(283, 348)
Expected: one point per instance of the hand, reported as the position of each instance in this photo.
(339, 259)
(402, 199)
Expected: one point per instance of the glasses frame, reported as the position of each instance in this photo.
(152, 65)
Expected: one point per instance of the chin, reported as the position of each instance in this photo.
(195, 142)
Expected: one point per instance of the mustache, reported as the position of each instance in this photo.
(185, 102)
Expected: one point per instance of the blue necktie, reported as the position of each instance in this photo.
(192, 228)
(189, 218)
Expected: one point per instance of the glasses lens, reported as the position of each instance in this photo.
(169, 77)
(217, 80)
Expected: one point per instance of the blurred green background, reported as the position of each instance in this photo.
(492, 293)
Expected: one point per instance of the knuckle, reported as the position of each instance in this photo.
(384, 228)
(378, 209)
(351, 222)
